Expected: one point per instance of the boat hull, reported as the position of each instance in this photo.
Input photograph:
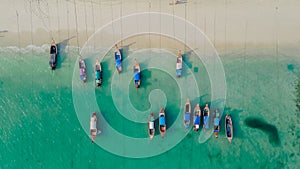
(197, 117)
(53, 57)
(162, 123)
(187, 114)
(228, 128)
(98, 74)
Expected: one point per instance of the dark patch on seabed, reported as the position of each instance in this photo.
(269, 129)
(298, 96)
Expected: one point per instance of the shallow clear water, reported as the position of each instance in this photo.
(40, 129)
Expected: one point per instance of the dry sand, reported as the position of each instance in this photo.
(229, 24)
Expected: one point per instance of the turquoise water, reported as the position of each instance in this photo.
(40, 129)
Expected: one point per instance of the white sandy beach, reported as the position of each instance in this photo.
(228, 23)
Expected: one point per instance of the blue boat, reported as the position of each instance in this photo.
(53, 55)
(82, 70)
(98, 73)
(206, 117)
(179, 64)
(118, 59)
(187, 114)
(162, 122)
(93, 126)
(137, 74)
(216, 123)
(151, 128)
(228, 128)
(197, 117)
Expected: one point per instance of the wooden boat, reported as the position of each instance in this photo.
(197, 117)
(228, 128)
(53, 55)
(206, 113)
(137, 74)
(98, 73)
(151, 128)
(216, 123)
(162, 122)
(82, 69)
(179, 64)
(93, 126)
(118, 59)
(187, 114)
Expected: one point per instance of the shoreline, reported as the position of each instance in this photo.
(227, 25)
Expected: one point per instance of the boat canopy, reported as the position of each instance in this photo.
(187, 116)
(82, 71)
(93, 124)
(98, 75)
(162, 120)
(52, 57)
(137, 76)
(151, 125)
(197, 120)
(216, 121)
(178, 66)
(206, 120)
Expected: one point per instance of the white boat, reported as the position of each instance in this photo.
(179, 64)
(151, 128)
(93, 126)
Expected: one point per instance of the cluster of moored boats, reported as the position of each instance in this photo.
(206, 117)
(187, 118)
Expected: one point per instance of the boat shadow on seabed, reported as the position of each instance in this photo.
(61, 53)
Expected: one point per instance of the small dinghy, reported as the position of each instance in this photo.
(228, 128)
(162, 122)
(137, 74)
(82, 70)
(187, 114)
(53, 56)
(216, 123)
(197, 117)
(118, 59)
(151, 128)
(98, 73)
(179, 64)
(93, 126)
(206, 117)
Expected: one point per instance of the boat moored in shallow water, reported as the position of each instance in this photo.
(151, 128)
(137, 74)
(206, 113)
(197, 115)
(162, 122)
(228, 128)
(98, 73)
(82, 69)
(216, 123)
(187, 114)
(118, 59)
(93, 126)
(179, 64)
(53, 56)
